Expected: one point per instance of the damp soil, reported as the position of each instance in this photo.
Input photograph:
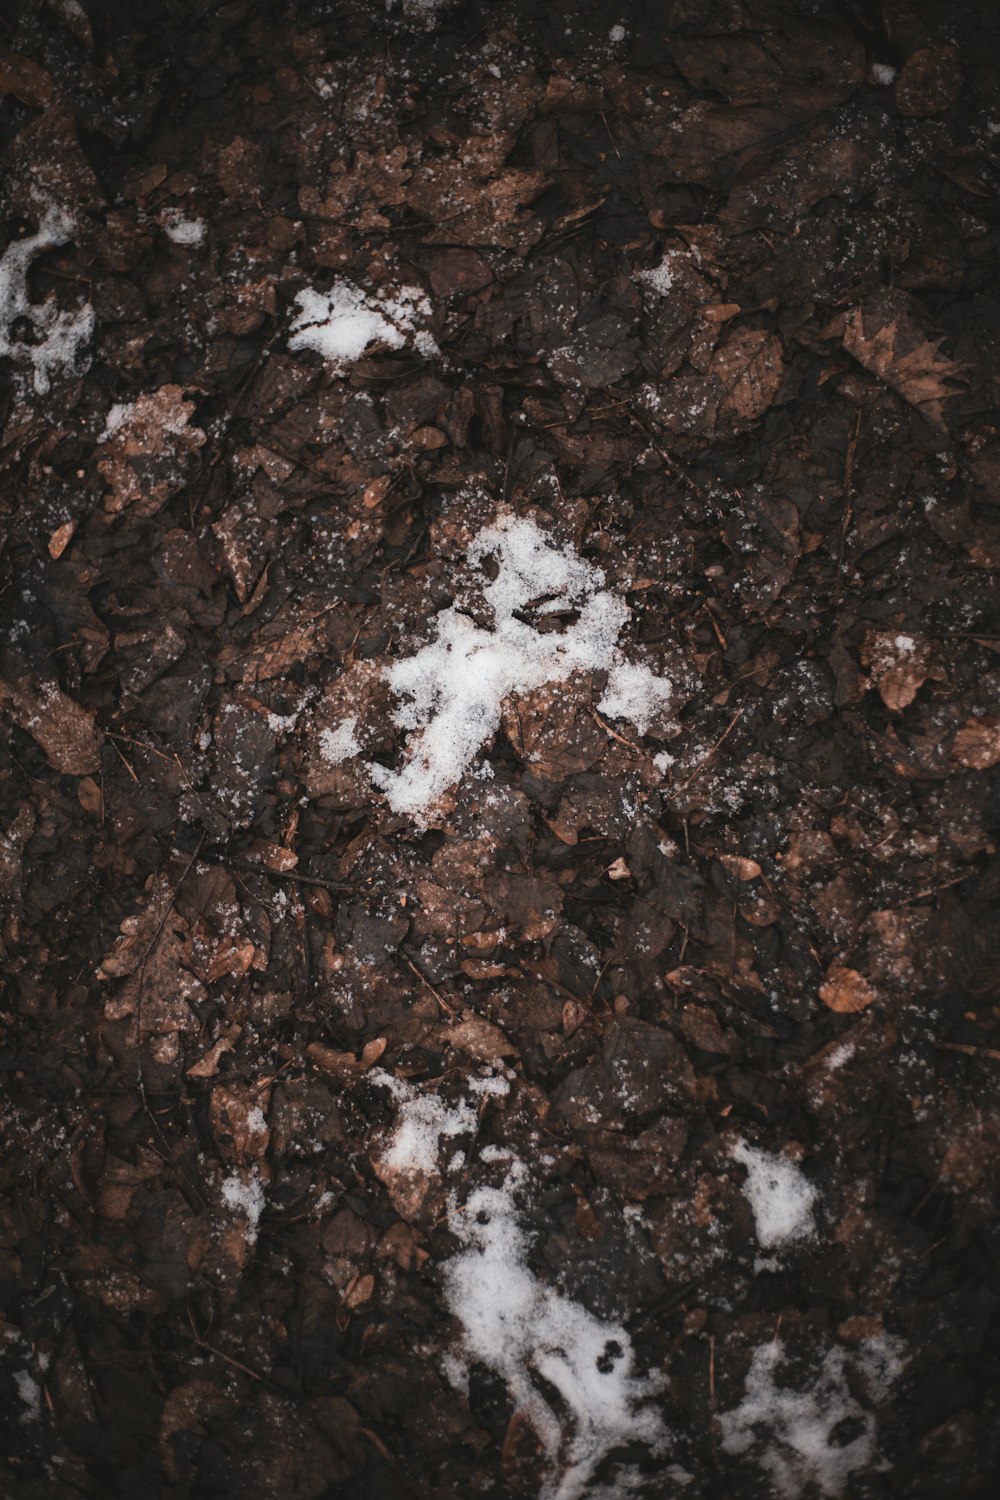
(712, 290)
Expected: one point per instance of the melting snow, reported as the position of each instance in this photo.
(57, 335)
(345, 321)
(454, 687)
(245, 1196)
(182, 230)
(341, 743)
(423, 1120)
(523, 1329)
(30, 1392)
(781, 1197)
(805, 1445)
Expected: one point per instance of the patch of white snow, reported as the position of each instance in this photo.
(782, 1199)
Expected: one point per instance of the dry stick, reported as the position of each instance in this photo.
(221, 1354)
(706, 758)
(140, 1077)
(968, 1049)
(852, 448)
(629, 744)
(259, 869)
(426, 982)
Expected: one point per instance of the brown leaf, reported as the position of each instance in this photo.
(25, 80)
(60, 726)
(929, 82)
(977, 744)
(61, 538)
(900, 664)
(238, 1122)
(149, 452)
(845, 990)
(750, 367)
(884, 335)
(738, 865)
(479, 1039)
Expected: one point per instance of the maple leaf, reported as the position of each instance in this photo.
(883, 334)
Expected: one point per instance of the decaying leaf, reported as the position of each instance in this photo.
(845, 990)
(977, 744)
(884, 335)
(750, 368)
(62, 728)
(148, 450)
(900, 664)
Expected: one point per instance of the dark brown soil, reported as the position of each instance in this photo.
(216, 941)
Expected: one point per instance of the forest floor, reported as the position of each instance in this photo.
(500, 674)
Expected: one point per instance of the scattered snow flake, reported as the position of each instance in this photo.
(883, 73)
(341, 743)
(117, 417)
(782, 1199)
(526, 1332)
(344, 322)
(617, 33)
(660, 278)
(454, 687)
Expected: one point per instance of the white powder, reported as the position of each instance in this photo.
(616, 34)
(117, 417)
(181, 230)
(30, 1393)
(522, 1329)
(422, 1121)
(634, 693)
(245, 1196)
(663, 761)
(454, 687)
(341, 743)
(344, 322)
(805, 1447)
(57, 335)
(781, 1197)
(659, 278)
(883, 73)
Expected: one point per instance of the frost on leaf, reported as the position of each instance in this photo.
(453, 689)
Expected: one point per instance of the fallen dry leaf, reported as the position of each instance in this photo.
(60, 726)
(929, 82)
(25, 80)
(885, 336)
(977, 744)
(149, 451)
(846, 991)
(899, 664)
(750, 368)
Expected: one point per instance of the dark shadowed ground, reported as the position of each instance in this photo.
(708, 289)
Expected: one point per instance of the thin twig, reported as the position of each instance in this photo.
(706, 758)
(426, 983)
